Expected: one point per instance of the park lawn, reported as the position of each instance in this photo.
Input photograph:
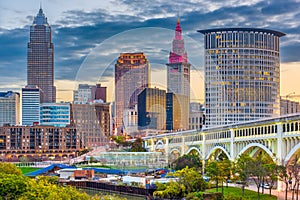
(237, 192)
(26, 170)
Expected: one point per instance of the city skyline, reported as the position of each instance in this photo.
(78, 28)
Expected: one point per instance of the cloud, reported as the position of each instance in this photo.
(78, 33)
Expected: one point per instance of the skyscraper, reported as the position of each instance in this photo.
(178, 76)
(40, 58)
(9, 108)
(152, 109)
(31, 99)
(242, 74)
(132, 75)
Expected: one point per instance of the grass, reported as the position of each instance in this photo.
(233, 192)
(26, 170)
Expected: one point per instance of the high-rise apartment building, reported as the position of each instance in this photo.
(55, 114)
(152, 109)
(132, 75)
(242, 74)
(178, 75)
(9, 108)
(31, 99)
(40, 58)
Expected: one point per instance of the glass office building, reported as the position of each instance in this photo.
(55, 114)
(242, 74)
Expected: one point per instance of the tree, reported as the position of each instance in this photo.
(187, 160)
(272, 174)
(8, 168)
(242, 170)
(137, 145)
(187, 181)
(219, 172)
(285, 177)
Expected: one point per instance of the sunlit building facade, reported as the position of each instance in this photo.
(9, 108)
(152, 109)
(40, 58)
(242, 74)
(132, 76)
(92, 121)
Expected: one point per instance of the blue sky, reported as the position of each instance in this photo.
(90, 34)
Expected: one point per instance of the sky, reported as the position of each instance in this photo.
(89, 35)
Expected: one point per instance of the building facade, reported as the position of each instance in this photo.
(130, 121)
(55, 114)
(288, 106)
(175, 118)
(31, 99)
(40, 58)
(92, 121)
(9, 108)
(132, 76)
(197, 116)
(178, 74)
(152, 109)
(38, 142)
(88, 93)
(242, 74)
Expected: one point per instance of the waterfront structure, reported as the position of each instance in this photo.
(178, 75)
(92, 121)
(38, 142)
(40, 58)
(9, 108)
(175, 116)
(55, 114)
(132, 75)
(197, 116)
(31, 99)
(88, 93)
(288, 106)
(242, 74)
(152, 109)
(277, 137)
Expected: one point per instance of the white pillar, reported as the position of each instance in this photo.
(279, 152)
(232, 154)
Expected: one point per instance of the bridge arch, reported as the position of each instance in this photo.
(196, 149)
(268, 151)
(221, 148)
(158, 143)
(291, 153)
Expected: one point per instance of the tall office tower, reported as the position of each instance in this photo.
(9, 108)
(55, 114)
(132, 76)
(31, 99)
(92, 121)
(40, 58)
(242, 74)
(178, 72)
(152, 109)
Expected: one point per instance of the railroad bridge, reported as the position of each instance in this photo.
(279, 137)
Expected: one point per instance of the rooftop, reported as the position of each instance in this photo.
(277, 33)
